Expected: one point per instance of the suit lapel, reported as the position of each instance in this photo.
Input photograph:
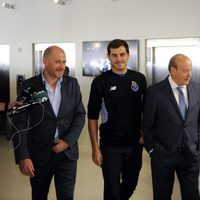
(169, 94)
(64, 96)
(191, 99)
(47, 105)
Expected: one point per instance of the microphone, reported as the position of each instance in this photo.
(27, 94)
(40, 96)
(37, 98)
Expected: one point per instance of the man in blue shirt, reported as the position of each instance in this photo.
(46, 139)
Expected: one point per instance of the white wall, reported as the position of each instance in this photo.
(35, 21)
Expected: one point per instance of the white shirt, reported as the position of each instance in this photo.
(175, 91)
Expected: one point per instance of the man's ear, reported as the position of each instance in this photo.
(173, 70)
(45, 61)
(108, 56)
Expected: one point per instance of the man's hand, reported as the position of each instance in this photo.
(141, 140)
(14, 104)
(60, 146)
(26, 167)
(97, 157)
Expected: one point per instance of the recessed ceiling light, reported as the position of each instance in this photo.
(8, 5)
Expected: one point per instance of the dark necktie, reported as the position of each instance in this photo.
(182, 104)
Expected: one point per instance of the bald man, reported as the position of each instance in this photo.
(172, 131)
(49, 147)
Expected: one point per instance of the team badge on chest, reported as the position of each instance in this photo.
(134, 86)
(112, 88)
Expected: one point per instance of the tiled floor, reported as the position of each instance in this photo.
(89, 185)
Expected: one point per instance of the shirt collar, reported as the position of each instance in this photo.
(45, 81)
(173, 84)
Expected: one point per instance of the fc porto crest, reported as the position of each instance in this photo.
(134, 86)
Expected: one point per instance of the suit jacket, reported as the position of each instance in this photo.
(165, 131)
(36, 142)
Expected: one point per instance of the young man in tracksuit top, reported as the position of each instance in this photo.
(117, 95)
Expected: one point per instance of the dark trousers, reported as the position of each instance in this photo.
(64, 172)
(121, 167)
(163, 177)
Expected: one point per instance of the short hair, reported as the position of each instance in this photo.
(49, 50)
(116, 43)
(175, 60)
(172, 63)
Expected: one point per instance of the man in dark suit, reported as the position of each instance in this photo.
(172, 136)
(46, 139)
